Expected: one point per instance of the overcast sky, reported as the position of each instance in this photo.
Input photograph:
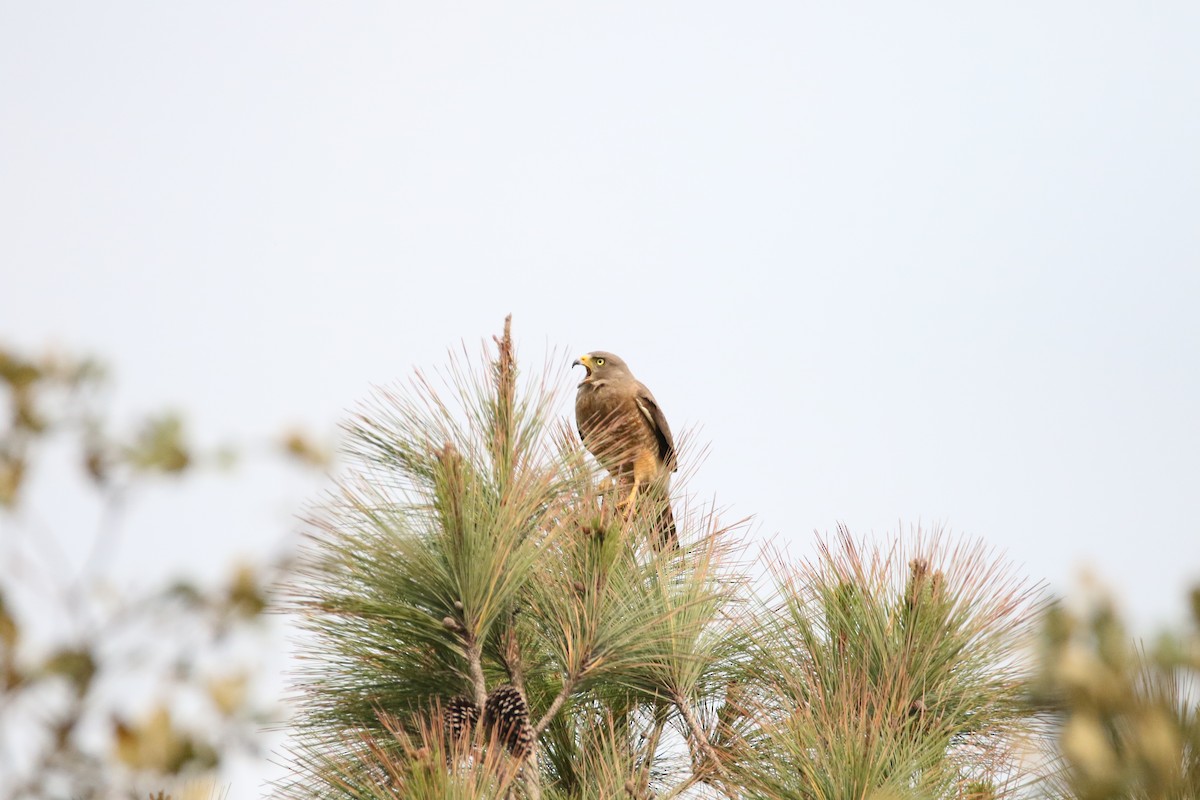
(899, 262)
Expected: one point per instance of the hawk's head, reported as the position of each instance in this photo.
(600, 364)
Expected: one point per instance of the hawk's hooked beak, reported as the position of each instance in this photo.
(584, 361)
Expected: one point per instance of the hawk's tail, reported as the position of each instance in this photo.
(666, 537)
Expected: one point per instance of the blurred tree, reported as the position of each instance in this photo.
(103, 692)
(1124, 718)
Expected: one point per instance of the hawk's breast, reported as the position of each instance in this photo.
(612, 426)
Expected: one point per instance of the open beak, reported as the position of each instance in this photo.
(583, 361)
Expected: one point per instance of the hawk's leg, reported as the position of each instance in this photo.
(631, 499)
(611, 492)
(645, 468)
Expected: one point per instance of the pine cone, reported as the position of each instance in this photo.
(460, 716)
(506, 716)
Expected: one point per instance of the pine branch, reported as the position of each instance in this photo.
(475, 668)
(563, 694)
(504, 407)
(511, 655)
(683, 787)
(711, 756)
(533, 777)
(651, 748)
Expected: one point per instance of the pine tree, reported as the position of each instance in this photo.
(467, 570)
(482, 622)
(894, 672)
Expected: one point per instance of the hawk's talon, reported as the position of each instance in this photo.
(630, 500)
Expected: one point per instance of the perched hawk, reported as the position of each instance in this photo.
(622, 426)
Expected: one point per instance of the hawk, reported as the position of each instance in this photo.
(621, 424)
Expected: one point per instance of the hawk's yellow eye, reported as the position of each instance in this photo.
(599, 362)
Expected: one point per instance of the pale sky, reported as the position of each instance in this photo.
(900, 262)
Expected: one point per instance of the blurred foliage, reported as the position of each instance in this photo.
(36, 391)
(153, 744)
(299, 445)
(159, 446)
(78, 658)
(1125, 717)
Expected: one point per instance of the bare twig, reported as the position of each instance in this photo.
(108, 532)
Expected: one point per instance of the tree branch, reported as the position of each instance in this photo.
(512, 658)
(710, 753)
(475, 668)
(683, 787)
(660, 722)
(563, 693)
(504, 408)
